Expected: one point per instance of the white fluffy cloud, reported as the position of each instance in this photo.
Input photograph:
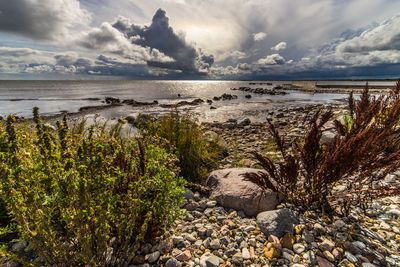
(274, 59)
(259, 36)
(280, 46)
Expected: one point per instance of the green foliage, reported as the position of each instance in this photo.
(347, 121)
(182, 136)
(85, 195)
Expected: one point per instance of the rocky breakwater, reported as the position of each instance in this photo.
(278, 90)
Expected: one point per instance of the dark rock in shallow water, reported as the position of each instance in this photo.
(195, 102)
(225, 97)
(228, 97)
(138, 103)
(263, 91)
(112, 100)
(245, 122)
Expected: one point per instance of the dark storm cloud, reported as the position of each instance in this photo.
(161, 36)
(40, 19)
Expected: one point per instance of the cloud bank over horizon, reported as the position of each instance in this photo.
(193, 39)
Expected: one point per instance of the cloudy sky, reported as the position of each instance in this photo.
(199, 39)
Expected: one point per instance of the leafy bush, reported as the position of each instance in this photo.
(364, 150)
(85, 195)
(186, 139)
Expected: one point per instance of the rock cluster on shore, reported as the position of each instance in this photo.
(211, 235)
(264, 91)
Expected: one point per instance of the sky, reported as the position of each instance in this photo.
(199, 39)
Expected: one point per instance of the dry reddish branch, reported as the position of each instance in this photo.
(358, 156)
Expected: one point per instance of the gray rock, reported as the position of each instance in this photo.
(188, 194)
(327, 136)
(237, 259)
(165, 246)
(212, 261)
(277, 222)
(326, 244)
(352, 248)
(178, 241)
(249, 228)
(350, 257)
(231, 191)
(359, 244)
(245, 254)
(215, 244)
(298, 248)
(191, 205)
(394, 213)
(153, 257)
(19, 246)
(225, 240)
(340, 224)
(319, 228)
(189, 217)
(172, 262)
(230, 251)
(211, 204)
(308, 236)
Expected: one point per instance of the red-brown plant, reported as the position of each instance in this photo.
(361, 154)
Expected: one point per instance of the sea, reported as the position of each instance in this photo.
(54, 97)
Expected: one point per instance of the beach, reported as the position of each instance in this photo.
(211, 234)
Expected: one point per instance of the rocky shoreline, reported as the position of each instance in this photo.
(213, 234)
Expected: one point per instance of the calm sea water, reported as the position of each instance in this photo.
(52, 97)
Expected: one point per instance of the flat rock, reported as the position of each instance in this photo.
(231, 191)
(277, 222)
(212, 261)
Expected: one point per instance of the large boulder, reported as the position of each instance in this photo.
(277, 222)
(230, 190)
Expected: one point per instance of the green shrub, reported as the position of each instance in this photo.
(86, 195)
(197, 154)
